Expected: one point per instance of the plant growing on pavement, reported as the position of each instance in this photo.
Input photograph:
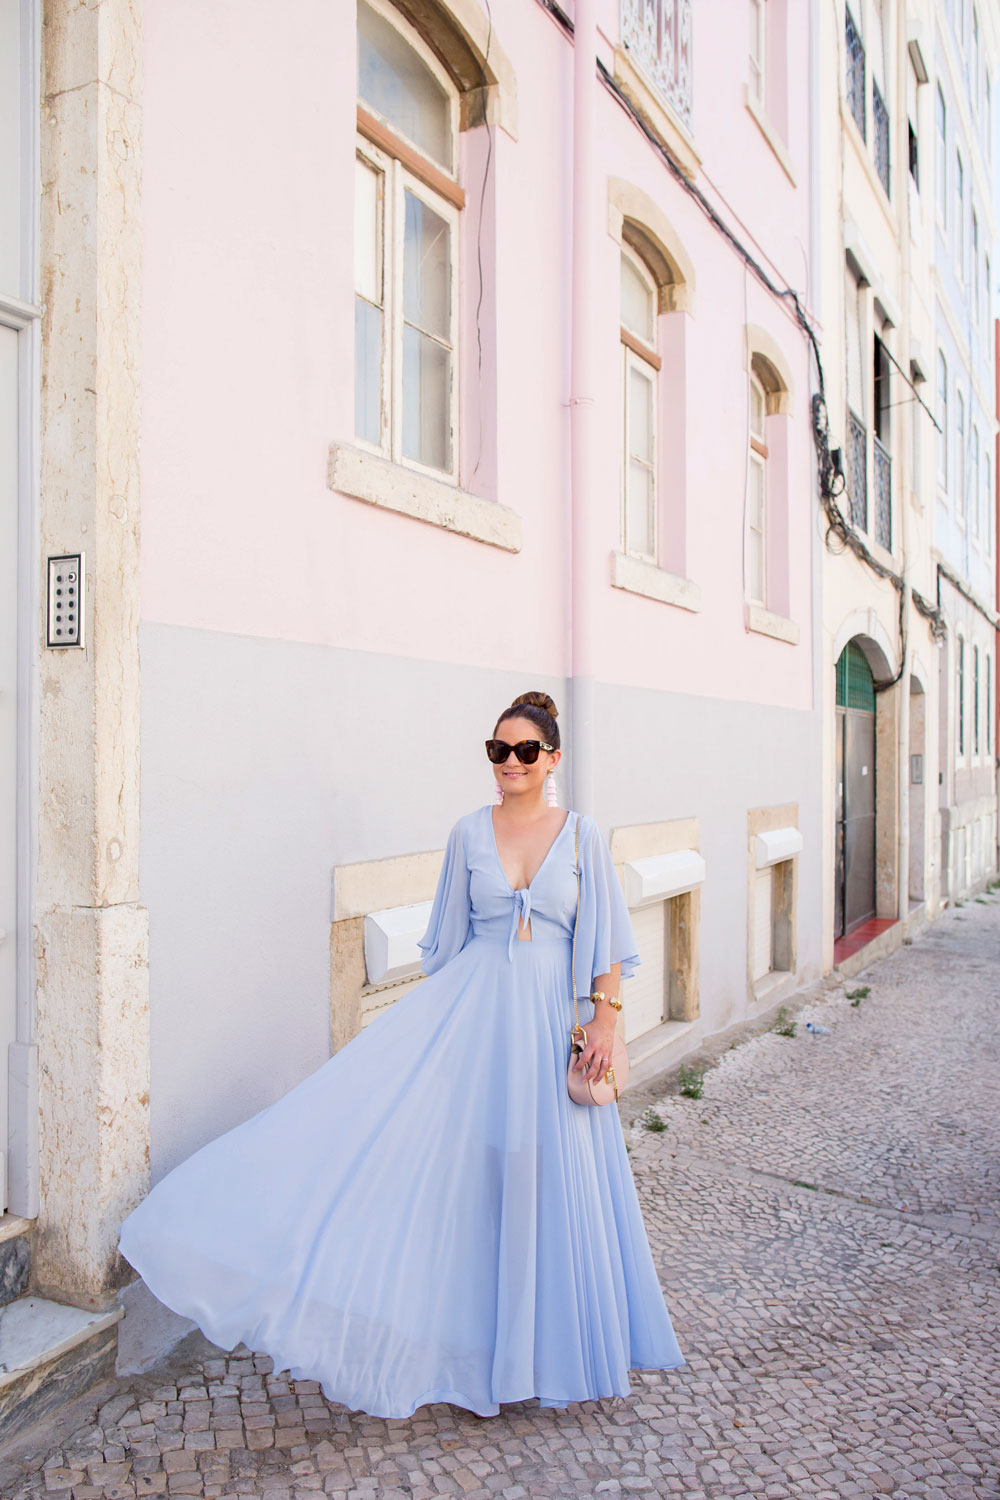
(782, 1025)
(691, 1081)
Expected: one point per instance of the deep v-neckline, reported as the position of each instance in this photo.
(541, 867)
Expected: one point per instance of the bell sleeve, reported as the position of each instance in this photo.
(450, 920)
(604, 934)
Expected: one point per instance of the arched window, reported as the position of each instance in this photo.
(768, 399)
(640, 369)
(942, 421)
(757, 498)
(407, 206)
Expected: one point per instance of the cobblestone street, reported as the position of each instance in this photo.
(826, 1222)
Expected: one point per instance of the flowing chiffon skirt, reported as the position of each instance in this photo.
(428, 1216)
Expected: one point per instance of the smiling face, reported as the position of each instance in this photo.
(517, 780)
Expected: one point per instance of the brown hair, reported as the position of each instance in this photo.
(540, 710)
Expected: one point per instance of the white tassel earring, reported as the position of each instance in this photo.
(551, 796)
(498, 789)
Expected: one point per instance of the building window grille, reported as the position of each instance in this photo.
(880, 120)
(657, 35)
(857, 470)
(855, 72)
(883, 497)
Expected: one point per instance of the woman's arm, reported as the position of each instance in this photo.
(601, 1030)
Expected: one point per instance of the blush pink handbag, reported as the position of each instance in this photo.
(581, 1089)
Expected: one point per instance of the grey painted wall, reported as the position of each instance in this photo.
(265, 763)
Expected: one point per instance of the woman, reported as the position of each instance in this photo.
(429, 1216)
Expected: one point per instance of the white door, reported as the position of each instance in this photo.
(645, 994)
(8, 720)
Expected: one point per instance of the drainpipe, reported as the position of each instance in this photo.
(996, 551)
(582, 412)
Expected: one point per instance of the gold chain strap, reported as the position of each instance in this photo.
(576, 1027)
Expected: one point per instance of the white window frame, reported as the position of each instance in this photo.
(758, 57)
(941, 158)
(974, 266)
(961, 475)
(974, 495)
(942, 393)
(757, 458)
(646, 360)
(959, 216)
(397, 181)
(398, 178)
(987, 502)
(961, 726)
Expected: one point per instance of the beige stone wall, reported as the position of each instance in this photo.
(91, 932)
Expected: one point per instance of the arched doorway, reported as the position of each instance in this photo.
(855, 799)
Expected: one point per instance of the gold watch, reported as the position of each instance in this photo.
(596, 995)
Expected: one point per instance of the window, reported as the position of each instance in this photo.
(880, 112)
(988, 118)
(855, 71)
(757, 500)
(757, 51)
(959, 216)
(942, 442)
(407, 202)
(640, 367)
(913, 123)
(987, 320)
(961, 498)
(960, 696)
(941, 164)
(975, 700)
(989, 703)
(857, 432)
(975, 268)
(974, 485)
(976, 90)
(881, 455)
(987, 503)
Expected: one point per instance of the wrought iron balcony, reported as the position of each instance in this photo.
(857, 471)
(657, 36)
(855, 48)
(880, 121)
(883, 497)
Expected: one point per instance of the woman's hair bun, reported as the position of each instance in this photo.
(537, 700)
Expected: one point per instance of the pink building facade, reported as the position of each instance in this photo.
(386, 364)
(395, 469)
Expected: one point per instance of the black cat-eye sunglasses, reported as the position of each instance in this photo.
(525, 750)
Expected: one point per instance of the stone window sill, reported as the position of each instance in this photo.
(377, 481)
(763, 622)
(639, 577)
(770, 134)
(664, 124)
(776, 985)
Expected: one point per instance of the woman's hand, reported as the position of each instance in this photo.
(595, 1059)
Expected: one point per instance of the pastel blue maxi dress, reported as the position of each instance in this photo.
(432, 1217)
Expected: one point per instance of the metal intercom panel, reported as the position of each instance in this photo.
(66, 600)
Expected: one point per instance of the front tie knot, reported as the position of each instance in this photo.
(521, 911)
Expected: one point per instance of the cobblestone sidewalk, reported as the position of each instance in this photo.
(826, 1222)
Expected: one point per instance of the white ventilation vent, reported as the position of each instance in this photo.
(662, 876)
(391, 938)
(780, 843)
